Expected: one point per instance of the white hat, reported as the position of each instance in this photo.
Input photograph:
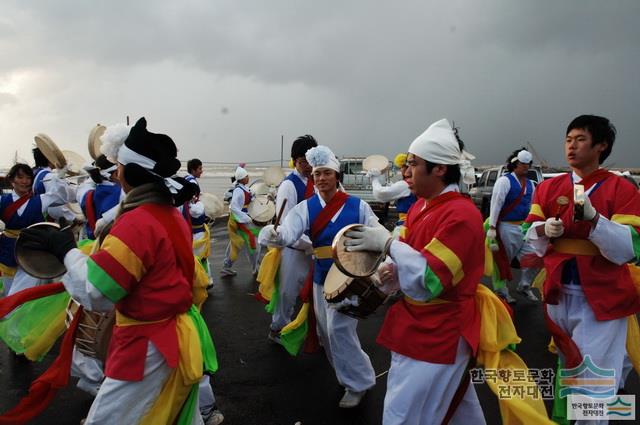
(240, 173)
(322, 157)
(439, 145)
(524, 157)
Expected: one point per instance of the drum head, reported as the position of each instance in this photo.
(378, 162)
(94, 140)
(357, 263)
(50, 150)
(335, 284)
(261, 209)
(36, 263)
(75, 162)
(273, 176)
(212, 205)
(259, 188)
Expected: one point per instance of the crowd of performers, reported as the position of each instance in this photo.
(145, 254)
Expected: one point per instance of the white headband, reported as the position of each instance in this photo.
(128, 156)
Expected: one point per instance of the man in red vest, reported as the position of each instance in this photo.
(433, 331)
(588, 292)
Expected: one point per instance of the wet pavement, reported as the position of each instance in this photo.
(258, 382)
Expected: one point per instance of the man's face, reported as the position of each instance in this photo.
(522, 168)
(325, 179)
(579, 149)
(21, 183)
(244, 181)
(123, 183)
(303, 166)
(197, 172)
(422, 183)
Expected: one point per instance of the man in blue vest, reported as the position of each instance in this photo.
(510, 205)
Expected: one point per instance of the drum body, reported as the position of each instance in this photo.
(94, 330)
(338, 287)
(261, 210)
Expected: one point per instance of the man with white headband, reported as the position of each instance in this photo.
(145, 269)
(320, 217)
(434, 332)
(242, 231)
(510, 204)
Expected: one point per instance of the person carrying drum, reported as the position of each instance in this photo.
(434, 331)
(144, 269)
(295, 259)
(242, 232)
(397, 192)
(43, 172)
(510, 204)
(19, 209)
(321, 217)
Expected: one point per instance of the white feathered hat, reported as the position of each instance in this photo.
(322, 157)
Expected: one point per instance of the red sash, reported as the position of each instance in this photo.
(249, 233)
(515, 202)
(90, 208)
(308, 191)
(327, 213)
(15, 206)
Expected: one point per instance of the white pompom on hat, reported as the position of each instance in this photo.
(322, 157)
(240, 173)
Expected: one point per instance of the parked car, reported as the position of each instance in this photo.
(481, 192)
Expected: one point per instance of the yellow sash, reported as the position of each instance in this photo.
(323, 252)
(267, 272)
(575, 247)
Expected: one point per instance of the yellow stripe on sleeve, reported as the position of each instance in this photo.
(537, 210)
(123, 255)
(448, 257)
(627, 219)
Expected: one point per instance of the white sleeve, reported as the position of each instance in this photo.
(397, 190)
(500, 190)
(294, 224)
(56, 193)
(613, 240)
(286, 190)
(196, 209)
(538, 243)
(76, 283)
(411, 266)
(235, 206)
(367, 216)
(83, 189)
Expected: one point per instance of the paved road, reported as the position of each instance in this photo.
(258, 382)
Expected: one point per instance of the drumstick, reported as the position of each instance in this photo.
(275, 225)
(562, 201)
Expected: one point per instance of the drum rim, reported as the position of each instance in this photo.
(329, 296)
(336, 257)
(366, 163)
(269, 201)
(29, 270)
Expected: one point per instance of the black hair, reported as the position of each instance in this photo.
(25, 168)
(39, 158)
(452, 175)
(601, 129)
(193, 164)
(512, 165)
(301, 145)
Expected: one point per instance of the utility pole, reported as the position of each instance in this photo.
(281, 150)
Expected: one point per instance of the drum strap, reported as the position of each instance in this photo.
(15, 206)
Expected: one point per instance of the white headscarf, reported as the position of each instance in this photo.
(439, 145)
(322, 157)
(524, 156)
(240, 173)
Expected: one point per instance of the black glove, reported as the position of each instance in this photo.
(49, 239)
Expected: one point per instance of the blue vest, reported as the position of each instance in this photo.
(521, 211)
(350, 214)
(32, 214)
(301, 188)
(38, 184)
(192, 179)
(105, 197)
(403, 204)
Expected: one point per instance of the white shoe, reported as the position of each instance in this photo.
(351, 399)
(226, 271)
(215, 418)
(528, 292)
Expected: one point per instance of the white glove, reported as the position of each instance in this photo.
(62, 172)
(589, 212)
(101, 224)
(374, 172)
(493, 245)
(270, 236)
(2, 226)
(365, 238)
(347, 302)
(491, 233)
(553, 227)
(386, 278)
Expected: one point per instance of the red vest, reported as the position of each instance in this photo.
(431, 332)
(607, 286)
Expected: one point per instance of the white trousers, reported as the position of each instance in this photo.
(206, 399)
(294, 267)
(126, 402)
(515, 246)
(604, 341)
(420, 393)
(253, 258)
(89, 370)
(21, 281)
(338, 333)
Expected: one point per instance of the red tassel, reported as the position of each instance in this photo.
(10, 303)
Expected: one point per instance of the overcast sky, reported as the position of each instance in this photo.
(225, 79)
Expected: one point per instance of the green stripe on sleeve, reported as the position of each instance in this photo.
(105, 283)
(432, 283)
(524, 228)
(635, 241)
